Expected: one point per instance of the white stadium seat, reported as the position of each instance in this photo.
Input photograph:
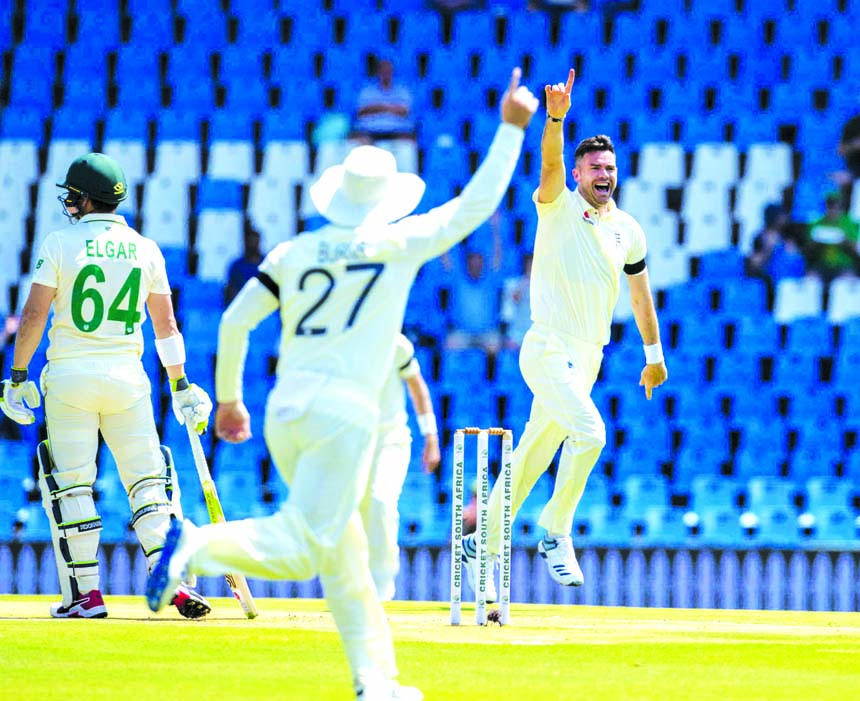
(178, 159)
(231, 160)
(797, 298)
(844, 301)
(288, 161)
(220, 240)
(715, 161)
(165, 210)
(662, 163)
(131, 155)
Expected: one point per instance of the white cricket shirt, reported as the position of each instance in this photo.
(577, 265)
(103, 271)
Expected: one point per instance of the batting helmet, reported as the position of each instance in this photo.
(98, 177)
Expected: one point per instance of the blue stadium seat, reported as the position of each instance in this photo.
(828, 492)
(284, 124)
(637, 459)
(98, 26)
(720, 527)
(258, 26)
(45, 23)
(756, 334)
(777, 527)
(690, 463)
(22, 123)
(218, 194)
(665, 527)
(796, 368)
(710, 491)
(75, 122)
(750, 463)
(244, 96)
(126, 124)
(810, 335)
(767, 492)
(140, 94)
(835, 528)
(639, 492)
(177, 124)
(743, 296)
(151, 28)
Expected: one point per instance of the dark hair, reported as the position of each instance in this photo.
(601, 142)
(100, 207)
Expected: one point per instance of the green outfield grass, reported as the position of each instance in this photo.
(549, 652)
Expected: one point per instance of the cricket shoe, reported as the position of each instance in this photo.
(190, 603)
(561, 560)
(388, 691)
(470, 563)
(90, 605)
(163, 583)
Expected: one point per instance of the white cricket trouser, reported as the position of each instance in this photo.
(560, 371)
(322, 447)
(379, 508)
(83, 397)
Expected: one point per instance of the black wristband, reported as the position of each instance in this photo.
(554, 119)
(19, 375)
(179, 384)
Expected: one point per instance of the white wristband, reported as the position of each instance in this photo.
(654, 353)
(171, 350)
(427, 424)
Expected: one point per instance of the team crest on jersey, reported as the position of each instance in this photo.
(586, 217)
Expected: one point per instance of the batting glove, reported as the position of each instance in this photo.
(190, 403)
(16, 392)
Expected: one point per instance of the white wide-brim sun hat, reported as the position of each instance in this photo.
(366, 189)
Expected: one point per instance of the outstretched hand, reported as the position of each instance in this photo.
(558, 96)
(518, 103)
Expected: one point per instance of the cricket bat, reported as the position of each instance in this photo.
(238, 583)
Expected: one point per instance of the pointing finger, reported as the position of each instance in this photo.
(570, 77)
(515, 79)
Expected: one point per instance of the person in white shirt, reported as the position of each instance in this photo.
(341, 294)
(583, 244)
(100, 276)
(378, 509)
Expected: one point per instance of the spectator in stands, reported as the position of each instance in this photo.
(832, 241)
(475, 309)
(849, 149)
(516, 305)
(245, 267)
(776, 254)
(447, 6)
(384, 108)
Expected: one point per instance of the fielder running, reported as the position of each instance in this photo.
(98, 275)
(391, 462)
(584, 243)
(341, 294)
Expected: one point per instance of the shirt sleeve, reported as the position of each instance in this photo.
(558, 206)
(404, 358)
(47, 269)
(638, 248)
(160, 284)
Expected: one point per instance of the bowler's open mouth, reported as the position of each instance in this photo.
(603, 188)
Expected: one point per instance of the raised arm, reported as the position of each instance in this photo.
(456, 219)
(552, 175)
